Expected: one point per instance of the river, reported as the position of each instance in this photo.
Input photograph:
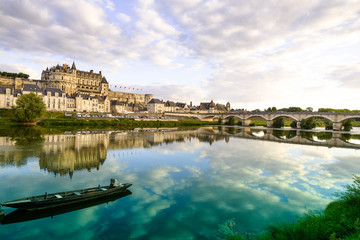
(185, 182)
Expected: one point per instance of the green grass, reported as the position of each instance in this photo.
(73, 123)
(256, 124)
(339, 221)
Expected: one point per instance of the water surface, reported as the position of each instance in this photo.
(185, 182)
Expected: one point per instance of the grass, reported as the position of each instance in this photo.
(339, 221)
(70, 122)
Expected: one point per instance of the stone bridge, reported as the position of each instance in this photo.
(269, 117)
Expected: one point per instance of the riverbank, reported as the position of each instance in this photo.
(339, 221)
(60, 121)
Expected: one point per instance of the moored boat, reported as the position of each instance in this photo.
(23, 215)
(68, 197)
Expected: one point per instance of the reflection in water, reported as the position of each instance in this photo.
(65, 153)
(20, 215)
(185, 182)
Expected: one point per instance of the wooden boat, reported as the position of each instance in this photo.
(68, 197)
(23, 215)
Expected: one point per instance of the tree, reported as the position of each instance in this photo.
(29, 108)
(347, 125)
(278, 122)
(232, 121)
(308, 123)
(293, 124)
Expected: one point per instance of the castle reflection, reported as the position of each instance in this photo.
(63, 154)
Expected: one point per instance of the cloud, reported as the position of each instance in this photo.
(258, 52)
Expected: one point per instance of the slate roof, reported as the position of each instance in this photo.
(104, 80)
(31, 88)
(181, 105)
(207, 106)
(3, 89)
(116, 102)
(16, 92)
(170, 104)
(155, 100)
(53, 91)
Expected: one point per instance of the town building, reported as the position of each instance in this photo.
(155, 106)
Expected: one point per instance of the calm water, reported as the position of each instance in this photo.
(185, 183)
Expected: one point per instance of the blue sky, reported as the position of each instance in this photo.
(254, 54)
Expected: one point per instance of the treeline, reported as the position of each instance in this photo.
(299, 109)
(19, 75)
(337, 110)
(289, 109)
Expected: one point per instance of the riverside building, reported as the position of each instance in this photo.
(64, 88)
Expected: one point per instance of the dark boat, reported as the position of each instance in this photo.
(68, 197)
(22, 215)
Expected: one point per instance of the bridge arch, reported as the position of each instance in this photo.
(256, 115)
(319, 116)
(284, 115)
(348, 117)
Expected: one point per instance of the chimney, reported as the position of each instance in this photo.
(91, 71)
(100, 73)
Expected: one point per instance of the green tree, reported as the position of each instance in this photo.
(278, 122)
(347, 125)
(273, 109)
(308, 123)
(293, 124)
(294, 109)
(220, 121)
(29, 108)
(231, 121)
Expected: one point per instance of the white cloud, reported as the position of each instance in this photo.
(259, 51)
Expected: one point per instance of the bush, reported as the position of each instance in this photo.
(347, 125)
(278, 122)
(308, 123)
(293, 124)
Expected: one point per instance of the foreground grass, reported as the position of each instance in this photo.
(339, 221)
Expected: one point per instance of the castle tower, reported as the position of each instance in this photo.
(104, 87)
(228, 106)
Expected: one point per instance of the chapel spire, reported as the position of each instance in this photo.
(73, 66)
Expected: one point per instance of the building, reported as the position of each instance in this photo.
(155, 106)
(211, 107)
(65, 88)
(72, 81)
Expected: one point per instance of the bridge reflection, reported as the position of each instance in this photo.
(63, 154)
(322, 139)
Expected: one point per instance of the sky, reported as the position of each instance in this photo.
(253, 54)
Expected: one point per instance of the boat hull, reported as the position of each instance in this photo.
(64, 198)
(23, 215)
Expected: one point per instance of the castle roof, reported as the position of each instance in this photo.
(73, 66)
(104, 80)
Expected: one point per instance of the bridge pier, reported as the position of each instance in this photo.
(269, 123)
(298, 124)
(337, 126)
